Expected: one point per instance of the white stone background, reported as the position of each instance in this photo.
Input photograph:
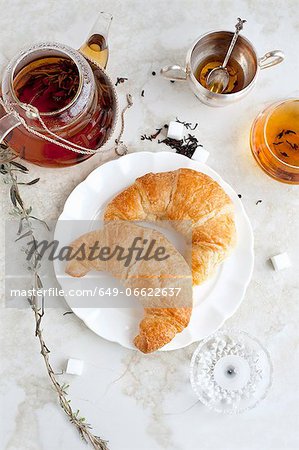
(142, 402)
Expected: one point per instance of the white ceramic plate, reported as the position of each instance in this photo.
(214, 301)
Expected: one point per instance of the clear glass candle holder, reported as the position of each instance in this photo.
(231, 372)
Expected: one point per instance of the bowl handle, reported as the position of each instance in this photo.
(174, 73)
(274, 57)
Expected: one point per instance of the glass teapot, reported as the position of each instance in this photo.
(58, 106)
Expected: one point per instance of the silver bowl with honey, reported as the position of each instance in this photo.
(208, 52)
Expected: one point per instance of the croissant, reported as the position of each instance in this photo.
(190, 200)
(165, 315)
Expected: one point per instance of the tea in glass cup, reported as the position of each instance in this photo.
(274, 141)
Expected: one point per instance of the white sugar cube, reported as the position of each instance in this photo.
(175, 130)
(74, 366)
(281, 261)
(201, 155)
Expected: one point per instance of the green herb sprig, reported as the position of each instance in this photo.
(10, 169)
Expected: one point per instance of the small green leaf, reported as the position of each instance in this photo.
(3, 169)
(20, 226)
(38, 281)
(18, 198)
(41, 221)
(13, 195)
(30, 182)
(28, 233)
(19, 166)
(36, 180)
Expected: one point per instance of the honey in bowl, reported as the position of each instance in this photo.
(235, 71)
(275, 141)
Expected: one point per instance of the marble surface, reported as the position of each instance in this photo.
(142, 402)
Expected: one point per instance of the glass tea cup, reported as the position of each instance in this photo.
(274, 140)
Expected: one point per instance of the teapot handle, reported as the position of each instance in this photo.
(7, 124)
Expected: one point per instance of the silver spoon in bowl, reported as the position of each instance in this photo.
(218, 78)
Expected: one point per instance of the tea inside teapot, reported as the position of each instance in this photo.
(61, 105)
(49, 84)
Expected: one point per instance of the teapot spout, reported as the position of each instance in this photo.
(95, 48)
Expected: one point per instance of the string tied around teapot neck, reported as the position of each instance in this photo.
(33, 113)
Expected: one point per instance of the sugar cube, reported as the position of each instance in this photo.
(281, 261)
(74, 366)
(201, 155)
(175, 130)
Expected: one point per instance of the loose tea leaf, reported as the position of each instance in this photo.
(120, 80)
(279, 136)
(187, 125)
(186, 146)
(294, 146)
(145, 137)
(155, 135)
